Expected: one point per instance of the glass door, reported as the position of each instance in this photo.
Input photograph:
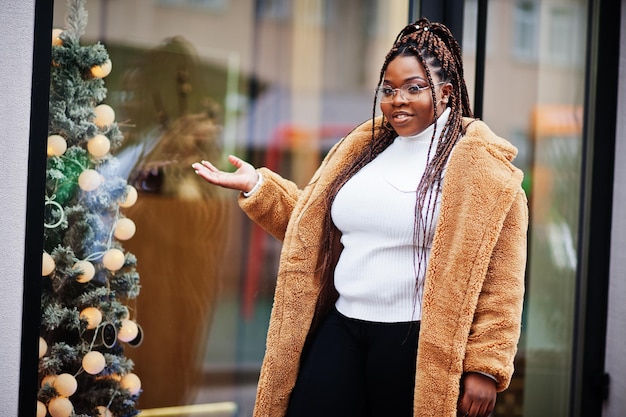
(534, 96)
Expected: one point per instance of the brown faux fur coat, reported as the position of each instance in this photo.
(472, 305)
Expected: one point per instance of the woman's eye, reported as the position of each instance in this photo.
(413, 88)
(387, 91)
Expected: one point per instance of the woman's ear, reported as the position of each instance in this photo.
(446, 90)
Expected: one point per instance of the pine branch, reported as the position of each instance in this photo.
(75, 20)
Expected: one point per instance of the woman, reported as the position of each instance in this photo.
(401, 278)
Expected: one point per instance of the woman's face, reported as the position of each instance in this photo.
(409, 118)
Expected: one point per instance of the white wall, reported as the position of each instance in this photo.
(16, 32)
(616, 334)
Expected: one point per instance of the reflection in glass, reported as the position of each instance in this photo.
(277, 82)
(533, 97)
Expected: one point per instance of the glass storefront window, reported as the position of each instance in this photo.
(277, 83)
(534, 92)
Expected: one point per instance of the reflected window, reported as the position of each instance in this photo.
(525, 30)
(213, 5)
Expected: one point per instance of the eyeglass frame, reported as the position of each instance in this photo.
(399, 89)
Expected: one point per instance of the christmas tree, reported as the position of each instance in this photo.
(88, 278)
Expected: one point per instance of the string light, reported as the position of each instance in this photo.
(89, 180)
(124, 229)
(93, 362)
(93, 317)
(101, 71)
(65, 384)
(131, 197)
(104, 116)
(128, 331)
(113, 259)
(88, 271)
(47, 265)
(60, 407)
(56, 145)
(99, 146)
(132, 383)
(56, 40)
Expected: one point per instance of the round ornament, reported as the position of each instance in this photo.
(124, 229)
(104, 116)
(56, 41)
(88, 271)
(89, 180)
(93, 317)
(57, 145)
(128, 331)
(101, 71)
(113, 259)
(60, 407)
(41, 409)
(131, 197)
(47, 265)
(109, 335)
(131, 382)
(65, 384)
(93, 362)
(99, 146)
(43, 347)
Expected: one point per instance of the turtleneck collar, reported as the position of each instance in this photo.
(427, 134)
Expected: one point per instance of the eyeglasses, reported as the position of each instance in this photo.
(409, 92)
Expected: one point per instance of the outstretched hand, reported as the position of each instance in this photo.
(478, 395)
(243, 179)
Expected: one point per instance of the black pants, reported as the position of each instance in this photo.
(356, 368)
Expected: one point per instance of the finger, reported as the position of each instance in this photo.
(236, 162)
(210, 166)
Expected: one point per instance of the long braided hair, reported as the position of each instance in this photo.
(437, 50)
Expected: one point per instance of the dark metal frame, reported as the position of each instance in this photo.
(590, 383)
(31, 303)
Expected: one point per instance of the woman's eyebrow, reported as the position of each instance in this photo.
(417, 77)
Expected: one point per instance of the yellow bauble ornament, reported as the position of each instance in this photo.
(57, 145)
(131, 197)
(99, 146)
(89, 180)
(113, 259)
(56, 41)
(104, 116)
(60, 407)
(93, 317)
(128, 331)
(41, 409)
(43, 347)
(65, 384)
(93, 362)
(132, 383)
(88, 271)
(124, 229)
(101, 71)
(47, 265)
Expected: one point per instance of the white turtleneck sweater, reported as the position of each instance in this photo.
(376, 272)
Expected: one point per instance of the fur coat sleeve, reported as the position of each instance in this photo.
(471, 311)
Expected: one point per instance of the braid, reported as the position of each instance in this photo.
(440, 54)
